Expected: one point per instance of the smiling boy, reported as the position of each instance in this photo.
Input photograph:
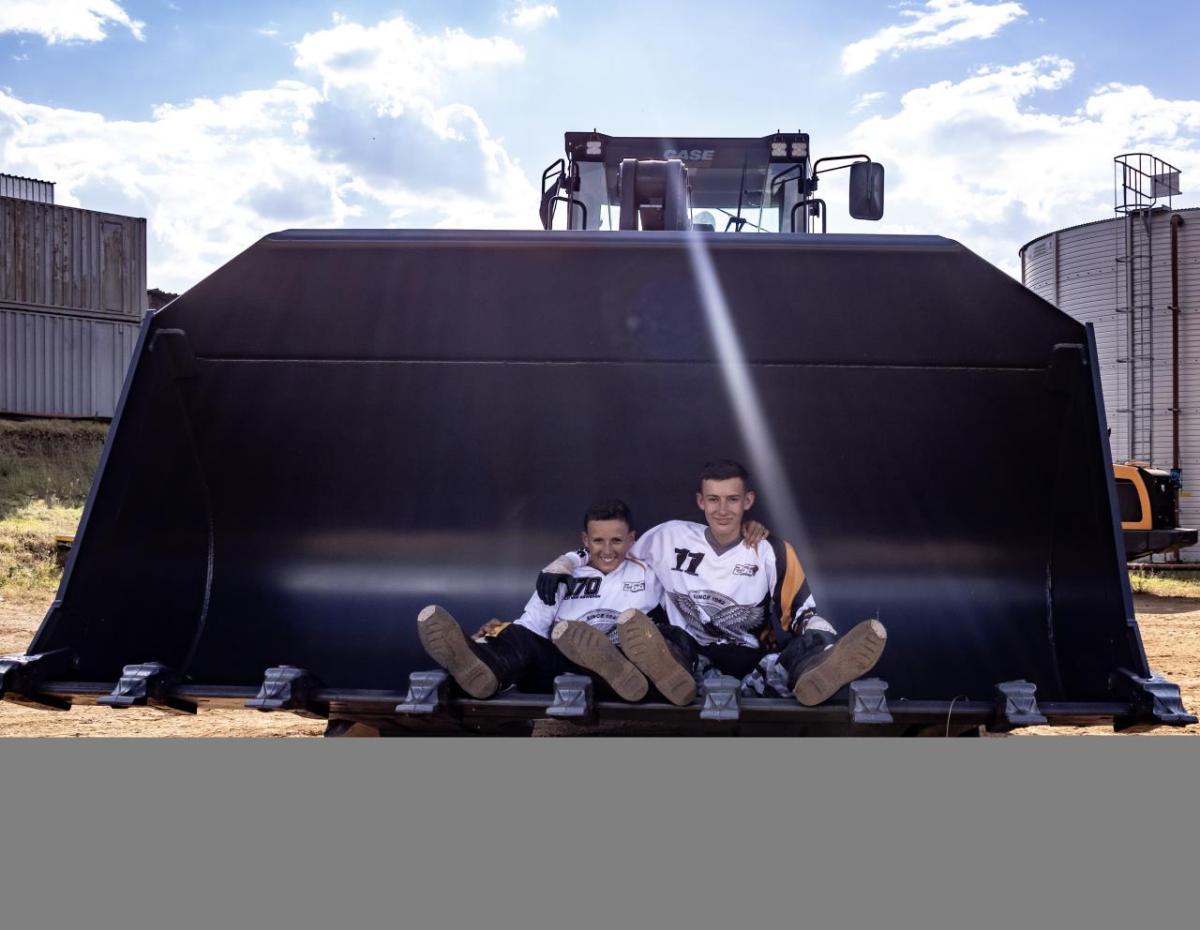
(575, 632)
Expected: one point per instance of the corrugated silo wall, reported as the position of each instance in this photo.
(1077, 269)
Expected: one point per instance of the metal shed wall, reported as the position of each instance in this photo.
(26, 188)
(71, 260)
(1077, 270)
(60, 365)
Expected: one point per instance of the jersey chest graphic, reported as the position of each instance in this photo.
(710, 616)
(604, 620)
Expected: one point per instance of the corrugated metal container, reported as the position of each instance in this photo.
(26, 188)
(57, 365)
(1078, 270)
(70, 260)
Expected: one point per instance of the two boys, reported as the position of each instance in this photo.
(726, 602)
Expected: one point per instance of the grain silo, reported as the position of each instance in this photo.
(1136, 278)
(72, 295)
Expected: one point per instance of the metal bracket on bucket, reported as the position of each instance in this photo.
(572, 698)
(722, 699)
(22, 675)
(868, 701)
(1016, 706)
(428, 693)
(1155, 702)
(175, 346)
(286, 687)
(148, 684)
(1066, 361)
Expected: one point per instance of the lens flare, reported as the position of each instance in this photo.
(766, 464)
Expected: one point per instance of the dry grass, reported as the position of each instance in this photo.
(46, 469)
(1178, 584)
(27, 545)
(49, 460)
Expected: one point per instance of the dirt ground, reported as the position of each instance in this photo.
(1170, 630)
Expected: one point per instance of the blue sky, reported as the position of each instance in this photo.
(997, 120)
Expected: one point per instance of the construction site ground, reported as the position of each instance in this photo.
(1170, 629)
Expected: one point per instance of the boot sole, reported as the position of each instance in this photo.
(645, 647)
(849, 659)
(588, 648)
(447, 645)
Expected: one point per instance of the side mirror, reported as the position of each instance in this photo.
(866, 190)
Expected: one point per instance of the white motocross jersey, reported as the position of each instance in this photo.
(725, 595)
(595, 598)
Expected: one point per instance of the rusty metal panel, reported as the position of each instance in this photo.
(26, 188)
(67, 259)
(61, 365)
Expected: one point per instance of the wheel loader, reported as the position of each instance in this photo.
(339, 427)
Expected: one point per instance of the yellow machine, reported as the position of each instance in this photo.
(1147, 499)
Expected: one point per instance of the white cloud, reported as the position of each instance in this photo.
(67, 20)
(939, 23)
(189, 170)
(532, 15)
(866, 101)
(380, 142)
(975, 161)
(394, 61)
(386, 117)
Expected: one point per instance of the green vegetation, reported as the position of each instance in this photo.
(1166, 584)
(46, 469)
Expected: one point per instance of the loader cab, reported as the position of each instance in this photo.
(707, 184)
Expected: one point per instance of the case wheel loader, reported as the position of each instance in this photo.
(339, 427)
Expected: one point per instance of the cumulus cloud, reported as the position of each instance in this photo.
(394, 61)
(976, 161)
(386, 117)
(938, 23)
(192, 170)
(67, 20)
(357, 138)
(532, 15)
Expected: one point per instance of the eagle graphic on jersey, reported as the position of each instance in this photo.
(604, 620)
(714, 618)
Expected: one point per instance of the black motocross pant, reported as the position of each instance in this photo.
(740, 661)
(520, 657)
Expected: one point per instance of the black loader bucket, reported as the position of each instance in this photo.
(338, 428)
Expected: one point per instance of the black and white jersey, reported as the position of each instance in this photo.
(725, 595)
(596, 598)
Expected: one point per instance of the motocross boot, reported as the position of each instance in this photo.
(588, 648)
(656, 657)
(449, 647)
(819, 664)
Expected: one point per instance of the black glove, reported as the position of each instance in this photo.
(547, 586)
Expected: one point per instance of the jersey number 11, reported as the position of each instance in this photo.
(692, 559)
